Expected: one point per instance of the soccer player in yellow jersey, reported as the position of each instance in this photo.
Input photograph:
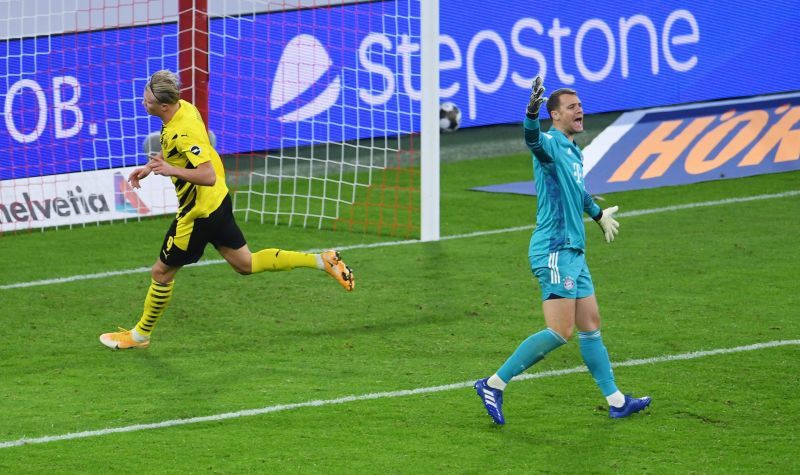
(205, 213)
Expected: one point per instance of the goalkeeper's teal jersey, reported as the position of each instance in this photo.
(561, 196)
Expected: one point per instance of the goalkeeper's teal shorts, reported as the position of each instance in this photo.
(563, 274)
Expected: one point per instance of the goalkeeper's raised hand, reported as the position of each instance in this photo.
(607, 223)
(537, 97)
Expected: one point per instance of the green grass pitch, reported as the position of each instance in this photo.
(680, 280)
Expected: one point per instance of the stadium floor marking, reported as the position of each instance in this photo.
(383, 395)
(666, 209)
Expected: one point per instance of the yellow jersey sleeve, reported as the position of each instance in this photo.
(196, 149)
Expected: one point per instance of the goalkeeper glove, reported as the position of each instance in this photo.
(537, 97)
(607, 223)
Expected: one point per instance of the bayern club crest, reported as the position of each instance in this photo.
(569, 284)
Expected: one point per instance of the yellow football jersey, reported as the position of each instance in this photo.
(185, 144)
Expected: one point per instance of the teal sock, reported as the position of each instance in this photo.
(529, 352)
(596, 358)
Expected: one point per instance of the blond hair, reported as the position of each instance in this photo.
(165, 86)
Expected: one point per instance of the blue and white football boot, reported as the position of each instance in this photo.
(632, 405)
(492, 400)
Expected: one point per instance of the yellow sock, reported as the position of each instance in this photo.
(278, 259)
(155, 303)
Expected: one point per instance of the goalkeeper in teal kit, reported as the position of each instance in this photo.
(557, 256)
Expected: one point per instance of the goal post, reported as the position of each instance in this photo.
(193, 53)
(429, 190)
(341, 86)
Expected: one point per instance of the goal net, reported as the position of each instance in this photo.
(73, 75)
(318, 103)
(314, 106)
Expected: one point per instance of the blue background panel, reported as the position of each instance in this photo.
(370, 50)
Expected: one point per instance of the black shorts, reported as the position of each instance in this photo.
(219, 229)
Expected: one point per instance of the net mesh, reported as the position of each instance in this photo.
(312, 104)
(338, 151)
(73, 74)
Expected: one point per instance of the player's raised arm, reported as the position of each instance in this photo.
(537, 98)
(533, 131)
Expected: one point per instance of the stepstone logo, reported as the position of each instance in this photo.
(365, 81)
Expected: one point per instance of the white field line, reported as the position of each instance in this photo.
(666, 209)
(383, 395)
